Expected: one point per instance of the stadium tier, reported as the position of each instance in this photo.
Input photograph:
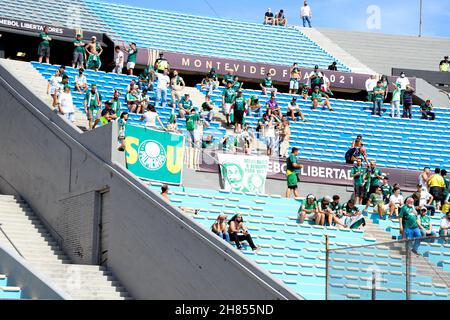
(295, 253)
(8, 292)
(393, 142)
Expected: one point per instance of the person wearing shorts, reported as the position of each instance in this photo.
(292, 171)
(44, 46)
(239, 108)
(310, 210)
(92, 105)
(132, 56)
(228, 97)
(78, 52)
(357, 174)
(294, 82)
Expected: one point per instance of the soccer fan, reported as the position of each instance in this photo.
(423, 178)
(228, 97)
(305, 91)
(357, 150)
(385, 85)
(79, 55)
(146, 78)
(310, 210)
(132, 51)
(423, 199)
(444, 226)
(316, 77)
(324, 210)
(408, 101)
(163, 87)
(293, 110)
(81, 81)
(239, 108)
(336, 212)
(118, 60)
(54, 87)
(352, 216)
(444, 65)
(133, 100)
(306, 14)
(426, 227)
(220, 227)
(255, 107)
(239, 232)
(371, 83)
(426, 108)
(333, 66)
(65, 106)
(404, 82)
(294, 81)
(106, 115)
(373, 176)
(208, 109)
(92, 105)
(236, 84)
(269, 134)
(280, 19)
(395, 102)
(320, 99)
(178, 85)
(272, 105)
(387, 189)
(116, 105)
(185, 106)
(436, 185)
(378, 99)
(228, 77)
(44, 46)
(357, 174)
(161, 64)
(267, 85)
(396, 201)
(150, 117)
(122, 124)
(192, 122)
(268, 17)
(410, 223)
(285, 136)
(376, 199)
(94, 49)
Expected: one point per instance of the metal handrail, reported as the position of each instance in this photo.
(10, 241)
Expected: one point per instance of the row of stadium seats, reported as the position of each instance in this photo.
(7, 291)
(393, 142)
(295, 253)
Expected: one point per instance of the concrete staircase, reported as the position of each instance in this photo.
(25, 73)
(29, 237)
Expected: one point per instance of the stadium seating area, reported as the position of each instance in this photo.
(295, 254)
(394, 143)
(7, 291)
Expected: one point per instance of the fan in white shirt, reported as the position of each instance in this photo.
(403, 80)
(150, 116)
(396, 201)
(66, 106)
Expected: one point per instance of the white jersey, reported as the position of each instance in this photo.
(119, 58)
(163, 81)
(66, 102)
(150, 118)
(423, 183)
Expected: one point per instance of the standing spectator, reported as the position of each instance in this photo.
(426, 227)
(161, 64)
(118, 60)
(54, 87)
(92, 105)
(423, 178)
(385, 85)
(444, 65)
(395, 103)
(132, 51)
(94, 49)
(79, 54)
(293, 110)
(310, 210)
(268, 17)
(236, 84)
(81, 81)
(333, 66)
(426, 109)
(396, 201)
(220, 227)
(280, 19)
(371, 83)
(163, 87)
(436, 185)
(445, 225)
(134, 101)
(247, 137)
(316, 77)
(150, 117)
(172, 125)
(294, 81)
(267, 85)
(44, 46)
(185, 105)
(208, 109)
(285, 136)
(292, 171)
(272, 105)
(269, 134)
(376, 199)
(239, 108)
(116, 105)
(374, 176)
(192, 121)
(378, 99)
(408, 101)
(320, 99)
(410, 223)
(357, 174)
(66, 107)
(122, 124)
(239, 232)
(404, 82)
(207, 84)
(423, 199)
(447, 184)
(228, 77)
(178, 85)
(306, 14)
(255, 107)
(228, 97)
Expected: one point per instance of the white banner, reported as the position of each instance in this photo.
(243, 173)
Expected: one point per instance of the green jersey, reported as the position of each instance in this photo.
(387, 190)
(240, 103)
(132, 55)
(229, 94)
(376, 199)
(308, 206)
(131, 97)
(228, 77)
(396, 95)
(191, 121)
(316, 80)
(409, 217)
(93, 100)
(44, 42)
(254, 100)
(336, 208)
(317, 95)
(425, 221)
(267, 82)
(379, 96)
(350, 211)
(373, 173)
(236, 85)
(186, 104)
(78, 44)
(207, 106)
(116, 107)
(289, 163)
(305, 90)
(359, 180)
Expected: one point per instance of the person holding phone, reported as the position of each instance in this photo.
(219, 227)
(239, 232)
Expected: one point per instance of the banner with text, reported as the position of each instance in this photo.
(154, 155)
(243, 173)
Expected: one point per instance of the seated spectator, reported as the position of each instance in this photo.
(122, 124)
(144, 98)
(146, 79)
(267, 85)
(426, 108)
(272, 105)
(236, 84)
(326, 86)
(352, 216)
(444, 65)
(447, 184)
(238, 232)
(387, 189)
(184, 106)
(81, 81)
(280, 19)
(445, 225)
(150, 116)
(268, 17)
(208, 142)
(220, 227)
(396, 201)
(310, 210)
(255, 108)
(323, 207)
(376, 199)
(436, 185)
(172, 125)
(65, 106)
(409, 223)
(333, 66)
(228, 77)
(408, 101)
(446, 206)
(208, 109)
(423, 199)
(228, 97)
(239, 109)
(207, 85)
(165, 192)
(378, 99)
(336, 212)
(227, 143)
(320, 99)
(305, 91)
(133, 100)
(294, 111)
(426, 227)
(131, 86)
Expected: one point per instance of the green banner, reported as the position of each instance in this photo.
(154, 155)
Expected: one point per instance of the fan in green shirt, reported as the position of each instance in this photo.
(236, 84)
(408, 217)
(267, 82)
(78, 44)
(228, 77)
(229, 94)
(45, 39)
(292, 170)
(379, 93)
(191, 121)
(44, 46)
(132, 53)
(240, 103)
(357, 173)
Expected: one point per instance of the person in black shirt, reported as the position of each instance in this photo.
(280, 19)
(332, 66)
(268, 17)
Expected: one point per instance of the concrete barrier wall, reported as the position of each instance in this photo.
(153, 249)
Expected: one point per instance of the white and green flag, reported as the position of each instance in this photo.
(243, 173)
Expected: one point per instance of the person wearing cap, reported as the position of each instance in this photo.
(220, 227)
(81, 81)
(410, 224)
(320, 98)
(267, 85)
(228, 77)
(426, 227)
(293, 110)
(310, 210)
(294, 81)
(132, 52)
(404, 82)
(161, 64)
(426, 108)
(44, 46)
(118, 60)
(407, 101)
(94, 49)
(79, 54)
(333, 66)
(106, 115)
(306, 14)
(228, 97)
(316, 77)
(185, 106)
(162, 88)
(280, 19)
(116, 105)
(376, 199)
(66, 106)
(268, 17)
(444, 65)
(395, 102)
